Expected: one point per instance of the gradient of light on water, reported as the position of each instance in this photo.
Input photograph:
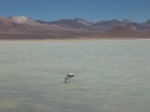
(110, 76)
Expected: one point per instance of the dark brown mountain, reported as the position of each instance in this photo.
(124, 32)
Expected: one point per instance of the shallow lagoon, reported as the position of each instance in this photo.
(110, 76)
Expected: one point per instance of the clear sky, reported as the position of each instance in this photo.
(90, 10)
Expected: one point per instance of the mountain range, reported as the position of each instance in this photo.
(21, 27)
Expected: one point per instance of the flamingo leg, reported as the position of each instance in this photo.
(72, 80)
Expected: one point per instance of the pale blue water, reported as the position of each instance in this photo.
(110, 76)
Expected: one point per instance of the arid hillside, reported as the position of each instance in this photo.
(123, 32)
(27, 28)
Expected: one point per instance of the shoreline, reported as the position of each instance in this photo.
(69, 39)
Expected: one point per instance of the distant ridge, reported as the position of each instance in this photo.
(72, 23)
(78, 23)
(21, 27)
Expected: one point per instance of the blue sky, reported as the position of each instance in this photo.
(90, 10)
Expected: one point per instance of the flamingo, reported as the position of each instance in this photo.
(69, 76)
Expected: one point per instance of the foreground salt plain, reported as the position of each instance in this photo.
(110, 76)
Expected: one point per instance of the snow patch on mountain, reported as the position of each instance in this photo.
(24, 20)
(98, 21)
(83, 22)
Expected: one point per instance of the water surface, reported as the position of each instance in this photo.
(110, 76)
